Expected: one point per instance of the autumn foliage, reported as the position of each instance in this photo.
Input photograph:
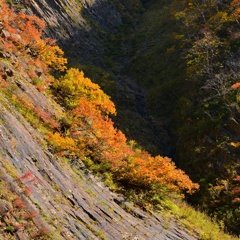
(73, 87)
(86, 131)
(95, 137)
(235, 5)
(26, 32)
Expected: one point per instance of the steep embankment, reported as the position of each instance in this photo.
(42, 195)
(60, 203)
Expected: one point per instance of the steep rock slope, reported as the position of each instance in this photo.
(80, 27)
(42, 197)
(67, 205)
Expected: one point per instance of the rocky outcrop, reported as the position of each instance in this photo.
(68, 202)
(44, 195)
(80, 27)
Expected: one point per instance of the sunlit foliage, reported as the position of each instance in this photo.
(26, 32)
(95, 137)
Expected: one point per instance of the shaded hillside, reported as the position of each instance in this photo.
(190, 58)
(91, 33)
(82, 28)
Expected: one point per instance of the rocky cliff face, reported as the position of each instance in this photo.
(66, 204)
(42, 195)
(80, 27)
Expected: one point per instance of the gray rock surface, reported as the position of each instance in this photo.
(72, 204)
(69, 202)
(80, 27)
(84, 208)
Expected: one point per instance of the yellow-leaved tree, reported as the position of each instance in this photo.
(96, 138)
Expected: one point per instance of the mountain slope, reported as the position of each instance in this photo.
(63, 204)
(45, 195)
(190, 58)
(42, 196)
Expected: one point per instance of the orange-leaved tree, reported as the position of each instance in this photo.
(235, 7)
(26, 31)
(144, 170)
(96, 138)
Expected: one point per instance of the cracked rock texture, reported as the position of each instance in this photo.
(80, 27)
(67, 201)
(79, 204)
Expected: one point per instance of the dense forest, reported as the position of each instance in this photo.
(191, 73)
(171, 65)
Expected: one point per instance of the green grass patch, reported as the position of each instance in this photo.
(196, 222)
